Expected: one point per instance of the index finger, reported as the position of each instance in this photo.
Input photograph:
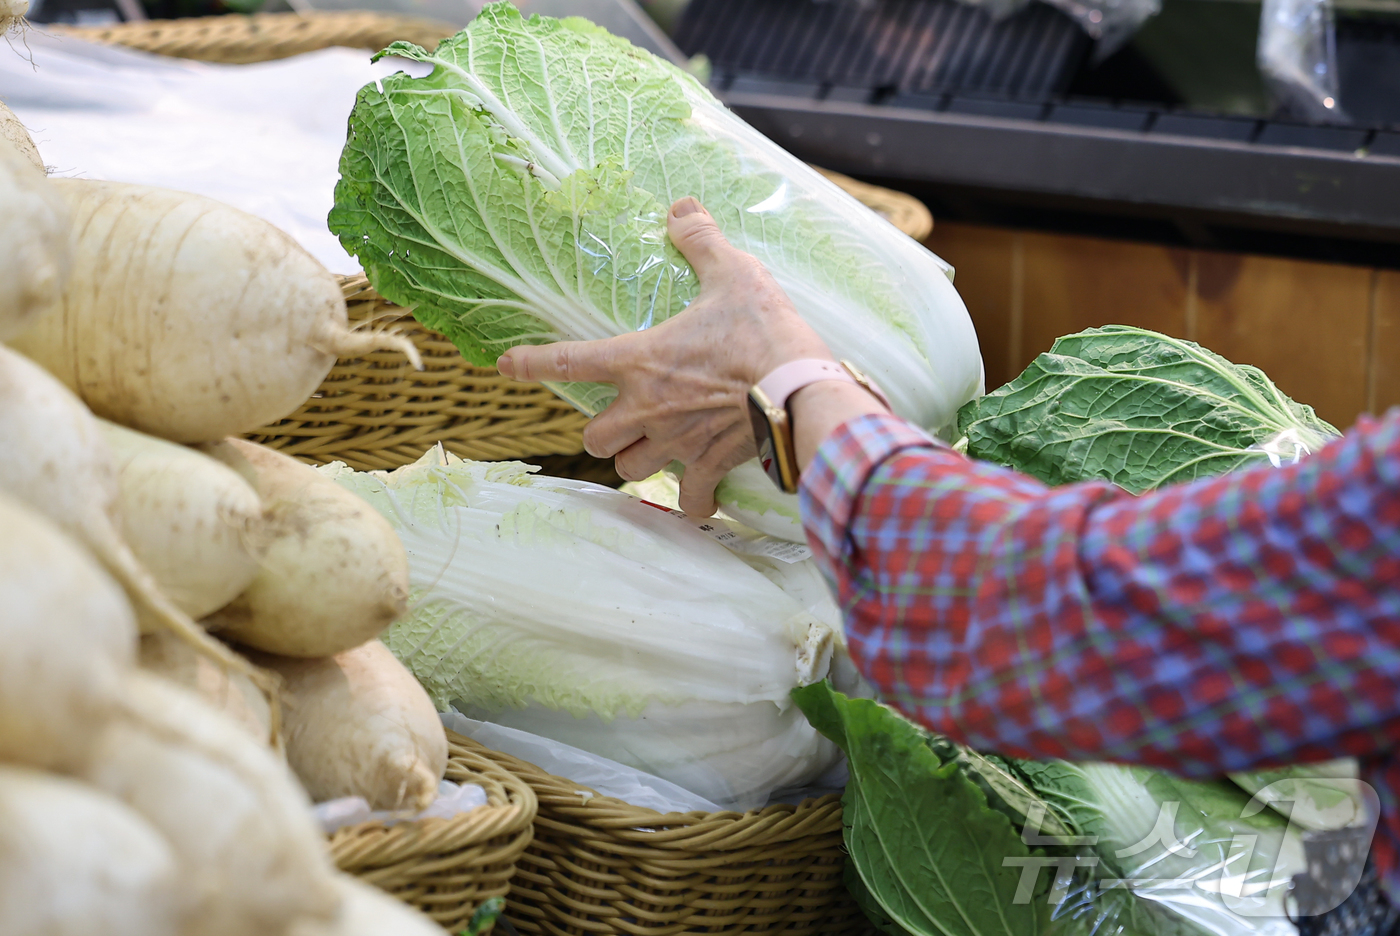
(562, 361)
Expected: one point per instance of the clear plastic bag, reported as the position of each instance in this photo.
(608, 777)
(263, 138)
(1201, 859)
(1298, 57)
(1111, 22)
(453, 799)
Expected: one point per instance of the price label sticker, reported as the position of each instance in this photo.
(767, 546)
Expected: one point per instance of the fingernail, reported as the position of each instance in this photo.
(686, 206)
(505, 365)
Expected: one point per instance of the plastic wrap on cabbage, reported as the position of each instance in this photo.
(1318, 797)
(790, 567)
(945, 841)
(518, 195)
(582, 614)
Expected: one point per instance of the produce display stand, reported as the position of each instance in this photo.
(603, 867)
(375, 411)
(448, 867)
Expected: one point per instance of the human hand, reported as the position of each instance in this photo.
(682, 384)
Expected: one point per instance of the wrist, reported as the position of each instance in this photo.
(811, 386)
(819, 409)
(784, 350)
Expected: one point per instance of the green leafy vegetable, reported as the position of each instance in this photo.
(1139, 409)
(940, 836)
(518, 194)
(927, 846)
(484, 917)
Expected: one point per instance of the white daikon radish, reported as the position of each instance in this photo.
(188, 319)
(13, 132)
(34, 232)
(76, 862)
(368, 911)
(59, 464)
(67, 634)
(359, 724)
(334, 574)
(233, 694)
(250, 853)
(194, 523)
(12, 15)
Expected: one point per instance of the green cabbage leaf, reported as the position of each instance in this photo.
(1139, 409)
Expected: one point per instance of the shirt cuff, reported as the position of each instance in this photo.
(833, 481)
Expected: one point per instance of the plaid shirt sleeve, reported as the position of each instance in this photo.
(1248, 619)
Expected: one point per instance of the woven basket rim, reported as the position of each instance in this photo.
(247, 26)
(620, 818)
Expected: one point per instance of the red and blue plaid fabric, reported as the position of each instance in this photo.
(1249, 619)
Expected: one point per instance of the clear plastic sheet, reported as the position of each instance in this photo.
(453, 799)
(263, 138)
(1298, 57)
(1187, 858)
(610, 778)
(736, 755)
(1111, 22)
(599, 773)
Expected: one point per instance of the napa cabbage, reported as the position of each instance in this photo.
(583, 614)
(518, 195)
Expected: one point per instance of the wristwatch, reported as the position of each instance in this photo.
(771, 421)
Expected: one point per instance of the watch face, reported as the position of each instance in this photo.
(763, 438)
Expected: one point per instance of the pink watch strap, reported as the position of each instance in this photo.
(786, 379)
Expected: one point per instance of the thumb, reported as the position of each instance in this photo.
(698, 238)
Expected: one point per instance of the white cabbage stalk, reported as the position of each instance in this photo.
(801, 580)
(579, 613)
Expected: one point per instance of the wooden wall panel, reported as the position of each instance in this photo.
(1307, 325)
(1074, 283)
(982, 258)
(1329, 335)
(1385, 349)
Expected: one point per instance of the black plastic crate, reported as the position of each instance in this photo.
(889, 47)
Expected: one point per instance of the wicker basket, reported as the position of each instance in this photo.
(601, 867)
(448, 867)
(374, 412)
(377, 412)
(239, 40)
